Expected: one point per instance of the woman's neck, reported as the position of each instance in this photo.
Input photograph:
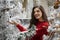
(41, 20)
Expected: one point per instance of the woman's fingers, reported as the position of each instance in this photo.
(14, 22)
(10, 22)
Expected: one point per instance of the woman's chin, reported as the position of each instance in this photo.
(37, 17)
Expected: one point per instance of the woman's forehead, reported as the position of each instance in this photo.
(36, 9)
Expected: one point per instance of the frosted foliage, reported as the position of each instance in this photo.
(54, 19)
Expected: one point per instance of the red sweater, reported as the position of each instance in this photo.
(39, 32)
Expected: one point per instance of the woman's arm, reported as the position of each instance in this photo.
(28, 34)
(45, 27)
(20, 27)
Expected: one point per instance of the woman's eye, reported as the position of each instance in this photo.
(38, 11)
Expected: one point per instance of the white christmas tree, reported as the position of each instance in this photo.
(54, 20)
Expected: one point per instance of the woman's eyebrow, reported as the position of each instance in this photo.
(36, 10)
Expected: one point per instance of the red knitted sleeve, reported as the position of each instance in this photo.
(46, 24)
(21, 28)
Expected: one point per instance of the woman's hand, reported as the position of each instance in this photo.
(13, 22)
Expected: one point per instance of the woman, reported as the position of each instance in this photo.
(39, 19)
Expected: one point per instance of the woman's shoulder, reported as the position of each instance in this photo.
(46, 23)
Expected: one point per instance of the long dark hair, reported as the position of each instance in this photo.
(33, 19)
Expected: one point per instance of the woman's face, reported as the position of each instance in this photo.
(37, 13)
